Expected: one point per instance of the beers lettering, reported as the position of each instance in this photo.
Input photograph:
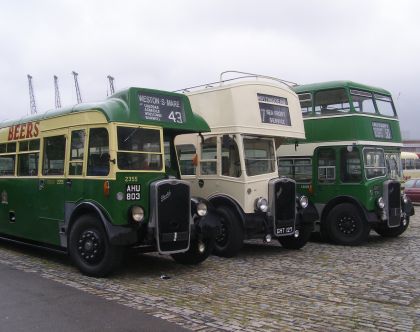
(25, 130)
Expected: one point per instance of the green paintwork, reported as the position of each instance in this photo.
(351, 127)
(123, 106)
(40, 212)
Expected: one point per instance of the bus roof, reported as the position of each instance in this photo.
(409, 155)
(134, 105)
(250, 107)
(338, 84)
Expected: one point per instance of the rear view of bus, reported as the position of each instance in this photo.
(235, 168)
(349, 165)
(95, 179)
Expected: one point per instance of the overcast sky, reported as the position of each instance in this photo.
(179, 43)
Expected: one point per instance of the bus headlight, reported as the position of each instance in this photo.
(380, 202)
(303, 202)
(405, 199)
(137, 213)
(201, 209)
(261, 204)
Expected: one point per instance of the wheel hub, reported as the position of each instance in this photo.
(90, 246)
(347, 225)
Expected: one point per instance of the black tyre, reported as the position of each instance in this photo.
(345, 225)
(90, 249)
(199, 251)
(292, 242)
(393, 232)
(231, 237)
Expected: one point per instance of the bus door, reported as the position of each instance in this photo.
(51, 186)
(326, 173)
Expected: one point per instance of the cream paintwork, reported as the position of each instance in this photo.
(234, 108)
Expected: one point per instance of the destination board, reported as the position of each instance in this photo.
(274, 110)
(381, 130)
(161, 108)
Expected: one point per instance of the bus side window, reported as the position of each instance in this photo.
(77, 152)
(286, 167)
(7, 159)
(326, 166)
(98, 158)
(351, 170)
(28, 158)
(54, 152)
(186, 155)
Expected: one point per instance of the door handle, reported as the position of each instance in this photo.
(69, 182)
(41, 184)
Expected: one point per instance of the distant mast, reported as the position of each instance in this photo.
(111, 84)
(31, 96)
(57, 93)
(76, 85)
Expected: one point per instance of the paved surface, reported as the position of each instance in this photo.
(319, 288)
(32, 303)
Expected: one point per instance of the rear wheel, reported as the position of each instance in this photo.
(385, 231)
(292, 242)
(346, 226)
(199, 251)
(231, 237)
(89, 247)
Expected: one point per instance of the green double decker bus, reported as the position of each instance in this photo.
(94, 179)
(349, 165)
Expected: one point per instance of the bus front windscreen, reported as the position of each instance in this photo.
(374, 159)
(260, 157)
(139, 149)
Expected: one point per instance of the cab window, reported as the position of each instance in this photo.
(231, 165)
(326, 165)
(98, 158)
(77, 152)
(208, 162)
(186, 156)
(351, 170)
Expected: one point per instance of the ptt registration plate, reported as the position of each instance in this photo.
(284, 230)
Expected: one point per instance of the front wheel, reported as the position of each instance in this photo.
(90, 249)
(230, 240)
(385, 231)
(346, 226)
(292, 242)
(198, 252)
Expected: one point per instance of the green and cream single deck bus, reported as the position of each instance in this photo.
(235, 167)
(96, 178)
(349, 165)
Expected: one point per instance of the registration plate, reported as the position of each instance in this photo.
(284, 230)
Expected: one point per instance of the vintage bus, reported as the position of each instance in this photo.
(93, 179)
(235, 167)
(410, 165)
(349, 164)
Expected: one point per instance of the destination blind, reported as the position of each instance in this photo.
(161, 108)
(274, 109)
(381, 130)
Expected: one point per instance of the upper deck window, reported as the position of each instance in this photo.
(139, 149)
(385, 105)
(362, 101)
(259, 155)
(305, 100)
(329, 102)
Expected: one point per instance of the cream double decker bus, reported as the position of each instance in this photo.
(235, 166)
